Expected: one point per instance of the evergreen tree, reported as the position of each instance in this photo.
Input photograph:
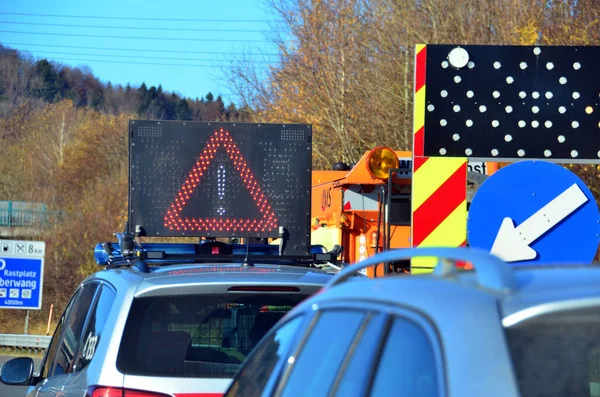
(182, 110)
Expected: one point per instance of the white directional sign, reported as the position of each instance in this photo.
(513, 243)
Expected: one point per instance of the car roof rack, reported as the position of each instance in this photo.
(491, 272)
(128, 253)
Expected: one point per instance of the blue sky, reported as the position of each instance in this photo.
(80, 36)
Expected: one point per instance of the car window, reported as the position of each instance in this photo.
(73, 327)
(56, 338)
(206, 336)
(352, 377)
(407, 363)
(93, 332)
(254, 376)
(558, 354)
(315, 366)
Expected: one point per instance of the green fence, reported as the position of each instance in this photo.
(25, 214)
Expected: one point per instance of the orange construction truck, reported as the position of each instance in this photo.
(366, 208)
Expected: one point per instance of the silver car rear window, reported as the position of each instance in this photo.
(206, 336)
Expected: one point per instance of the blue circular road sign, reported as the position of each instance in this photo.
(535, 212)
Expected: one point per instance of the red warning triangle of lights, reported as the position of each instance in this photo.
(220, 139)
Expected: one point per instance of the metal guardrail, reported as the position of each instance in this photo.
(24, 342)
(17, 214)
(30, 218)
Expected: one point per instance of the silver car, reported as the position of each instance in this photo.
(169, 330)
(499, 330)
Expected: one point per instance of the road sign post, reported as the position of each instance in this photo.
(535, 212)
(21, 274)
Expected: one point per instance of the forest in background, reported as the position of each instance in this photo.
(348, 71)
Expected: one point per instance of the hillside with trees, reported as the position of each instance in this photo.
(63, 142)
(35, 83)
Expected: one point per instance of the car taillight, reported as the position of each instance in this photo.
(243, 288)
(107, 391)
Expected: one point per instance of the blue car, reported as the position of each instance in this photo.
(497, 330)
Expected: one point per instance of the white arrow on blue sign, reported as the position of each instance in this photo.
(535, 212)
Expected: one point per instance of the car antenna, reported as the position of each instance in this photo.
(246, 261)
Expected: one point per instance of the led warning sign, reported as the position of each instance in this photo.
(220, 179)
(512, 102)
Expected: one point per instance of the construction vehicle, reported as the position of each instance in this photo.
(366, 207)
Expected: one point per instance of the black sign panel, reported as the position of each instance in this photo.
(221, 179)
(513, 102)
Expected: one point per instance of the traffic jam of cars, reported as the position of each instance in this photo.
(465, 267)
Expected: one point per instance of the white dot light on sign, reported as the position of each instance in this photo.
(457, 79)
(535, 124)
(510, 80)
(574, 153)
(548, 124)
(445, 64)
(535, 95)
(562, 80)
(468, 152)
(442, 151)
(456, 108)
(430, 107)
(576, 66)
(508, 137)
(497, 65)
(470, 94)
(495, 123)
(575, 124)
(523, 65)
(456, 137)
(522, 123)
(576, 95)
(495, 152)
(522, 94)
(508, 109)
(469, 123)
(547, 153)
(549, 95)
(537, 51)
(562, 109)
(549, 66)
(535, 109)
(496, 94)
(482, 108)
(443, 93)
(443, 122)
(458, 57)
(470, 65)
(521, 152)
(561, 139)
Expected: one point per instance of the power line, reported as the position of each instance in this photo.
(134, 56)
(133, 27)
(60, 59)
(142, 19)
(137, 49)
(135, 37)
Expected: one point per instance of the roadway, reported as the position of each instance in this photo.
(14, 391)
